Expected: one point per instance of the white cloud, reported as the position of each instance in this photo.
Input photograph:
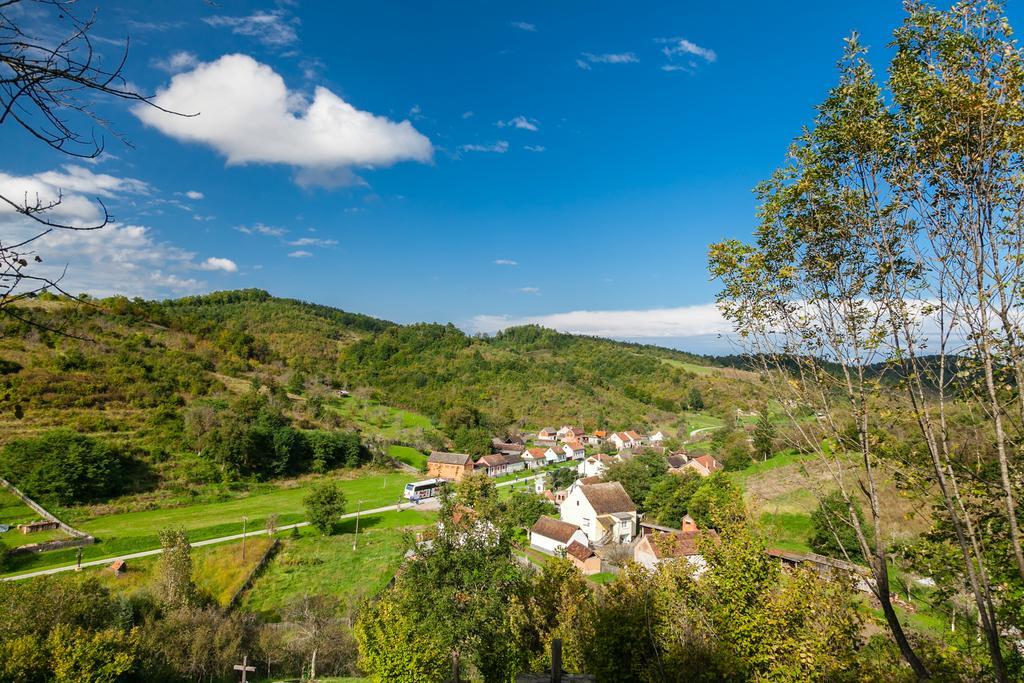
(215, 263)
(312, 242)
(684, 321)
(260, 229)
(672, 67)
(247, 113)
(520, 122)
(682, 46)
(193, 194)
(178, 61)
(119, 258)
(273, 29)
(467, 115)
(506, 262)
(69, 186)
(300, 253)
(588, 58)
(499, 147)
(523, 26)
(530, 290)
(534, 148)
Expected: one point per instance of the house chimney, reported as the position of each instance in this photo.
(688, 523)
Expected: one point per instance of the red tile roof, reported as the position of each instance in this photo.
(579, 551)
(555, 529)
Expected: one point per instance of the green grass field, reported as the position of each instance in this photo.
(327, 564)
(218, 570)
(13, 511)
(410, 456)
(376, 418)
(135, 531)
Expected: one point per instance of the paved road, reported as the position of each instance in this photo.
(695, 432)
(429, 505)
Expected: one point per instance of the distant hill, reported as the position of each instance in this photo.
(131, 370)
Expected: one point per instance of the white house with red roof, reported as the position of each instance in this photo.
(574, 450)
(704, 465)
(626, 440)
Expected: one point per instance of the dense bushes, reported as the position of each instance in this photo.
(253, 438)
(65, 468)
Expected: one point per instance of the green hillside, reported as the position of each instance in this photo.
(149, 376)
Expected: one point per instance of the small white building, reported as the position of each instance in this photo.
(534, 457)
(550, 535)
(656, 438)
(574, 450)
(626, 440)
(596, 465)
(552, 455)
(604, 512)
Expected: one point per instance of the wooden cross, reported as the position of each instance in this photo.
(245, 668)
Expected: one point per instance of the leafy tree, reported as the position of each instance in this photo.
(324, 504)
(832, 529)
(695, 401)
(637, 475)
(474, 441)
(764, 435)
(453, 598)
(80, 656)
(173, 581)
(64, 467)
(477, 491)
(717, 502)
(523, 509)
(669, 497)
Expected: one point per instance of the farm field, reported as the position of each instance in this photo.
(408, 455)
(135, 531)
(313, 563)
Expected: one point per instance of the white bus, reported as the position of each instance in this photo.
(420, 490)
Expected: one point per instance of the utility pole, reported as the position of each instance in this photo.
(355, 538)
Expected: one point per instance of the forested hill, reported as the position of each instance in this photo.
(134, 369)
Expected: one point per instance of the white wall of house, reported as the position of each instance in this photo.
(552, 546)
(576, 509)
(552, 455)
(592, 467)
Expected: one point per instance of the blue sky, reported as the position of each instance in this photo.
(481, 163)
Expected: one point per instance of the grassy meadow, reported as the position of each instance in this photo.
(313, 563)
(131, 532)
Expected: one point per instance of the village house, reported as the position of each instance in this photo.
(574, 450)
(625, 440)
(568, 434)
(506, 447)
(534, 457)
(603, 511)
(656, 438)
(547, 436)
(451, 466)
(595, 465)
(514, 463)
(583, 558)
(704, 465)
(663, 544)
(553, 455)
(676, 461)
(493, 465)
(592, 440)
(551, 536)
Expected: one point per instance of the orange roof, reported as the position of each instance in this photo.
(575, 445)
